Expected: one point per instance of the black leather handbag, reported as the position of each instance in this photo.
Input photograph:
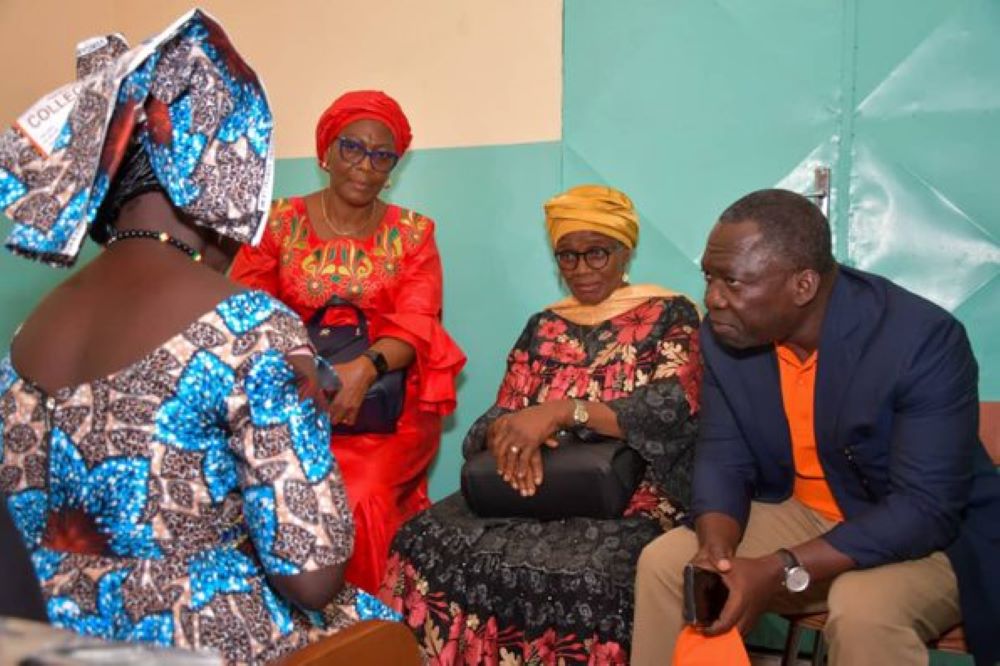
(383, 402)
(589, 477)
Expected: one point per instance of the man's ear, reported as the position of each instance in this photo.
(805, 286)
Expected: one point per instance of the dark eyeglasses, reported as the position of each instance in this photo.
(353, 151)
(595, 257)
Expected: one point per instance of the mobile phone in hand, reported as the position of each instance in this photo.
(705, 593)
(329, 380)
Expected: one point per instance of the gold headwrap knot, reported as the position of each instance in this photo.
(592, 208)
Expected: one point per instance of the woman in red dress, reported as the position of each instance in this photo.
(345, 241)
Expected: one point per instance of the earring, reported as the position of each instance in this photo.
(625, 277)
(388, 184)
(322, 165)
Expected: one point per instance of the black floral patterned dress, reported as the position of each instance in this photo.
(519, 591)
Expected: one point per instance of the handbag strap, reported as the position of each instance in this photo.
(337, 302)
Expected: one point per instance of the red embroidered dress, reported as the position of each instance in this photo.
(394, 276)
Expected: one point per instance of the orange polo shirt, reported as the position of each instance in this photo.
(798, 390)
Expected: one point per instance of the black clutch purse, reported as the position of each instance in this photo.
(383, 402)
(587, 477)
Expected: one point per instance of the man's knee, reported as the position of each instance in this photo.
(853, 598)
(662, 560)
(869, 625)
(898, 599)
(861, 609)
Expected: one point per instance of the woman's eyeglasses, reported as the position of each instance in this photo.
(353, 151)
(595, 257)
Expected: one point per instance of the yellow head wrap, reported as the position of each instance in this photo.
(592, 208)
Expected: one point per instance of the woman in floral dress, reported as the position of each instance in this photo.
(519, 591)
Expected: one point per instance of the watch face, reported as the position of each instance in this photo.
(796, 579)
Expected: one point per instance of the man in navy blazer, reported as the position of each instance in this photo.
(899, 550)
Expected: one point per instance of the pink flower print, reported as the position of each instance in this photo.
(636, 324)
(690, 373)
(543, 649)
(414, 601)
(489, 643)
(568, 380)
(607, 654)
(417, 605)
(550, 329)
(393, 576)
(643, 500)
(570, 352)
(449, 655)
(518, 387)
(473, 647)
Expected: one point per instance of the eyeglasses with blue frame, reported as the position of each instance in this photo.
(353, 152)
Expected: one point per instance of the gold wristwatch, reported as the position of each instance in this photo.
(580, 413)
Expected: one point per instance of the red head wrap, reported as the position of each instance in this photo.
(358, 104)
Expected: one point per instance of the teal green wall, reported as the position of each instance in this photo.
(687, 105)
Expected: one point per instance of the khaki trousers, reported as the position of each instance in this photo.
(878, 616)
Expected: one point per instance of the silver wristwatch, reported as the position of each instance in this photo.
(796, 576)
(580, 413)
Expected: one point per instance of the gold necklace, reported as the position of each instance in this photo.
(335, 230)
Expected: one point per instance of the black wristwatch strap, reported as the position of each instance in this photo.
(378, 360)
(788, 558)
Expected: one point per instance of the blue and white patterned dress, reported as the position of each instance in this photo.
(155, 500)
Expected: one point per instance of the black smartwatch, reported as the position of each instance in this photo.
(378, 360)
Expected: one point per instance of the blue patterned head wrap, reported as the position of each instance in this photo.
(185, 98)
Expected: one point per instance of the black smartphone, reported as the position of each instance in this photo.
(329, 380)
(705, 593)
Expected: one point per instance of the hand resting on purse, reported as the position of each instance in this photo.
(587, 475)
(515, 439)
(357, 375)
(365, 392)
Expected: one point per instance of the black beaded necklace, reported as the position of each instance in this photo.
(162, 236)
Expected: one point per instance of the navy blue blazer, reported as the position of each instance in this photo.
(896, 419)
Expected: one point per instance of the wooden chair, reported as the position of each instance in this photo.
(368, 643)
(952, 640)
